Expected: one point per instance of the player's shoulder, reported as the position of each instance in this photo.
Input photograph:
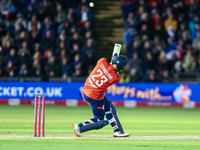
(103, 60)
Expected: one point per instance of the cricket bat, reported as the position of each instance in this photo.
(116, 50)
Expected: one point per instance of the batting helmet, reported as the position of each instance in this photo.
(120, 61)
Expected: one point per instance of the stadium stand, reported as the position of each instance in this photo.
(46, 38)
(162, 39)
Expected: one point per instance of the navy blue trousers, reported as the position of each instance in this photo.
(99, 107)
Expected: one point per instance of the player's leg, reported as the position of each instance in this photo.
(95, 123)
(114, 121)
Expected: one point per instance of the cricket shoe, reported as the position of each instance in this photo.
(76, 129)
(119, 134)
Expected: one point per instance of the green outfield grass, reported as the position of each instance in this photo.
(150, 128)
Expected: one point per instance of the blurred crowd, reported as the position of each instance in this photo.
(162, 39)
(54, 38)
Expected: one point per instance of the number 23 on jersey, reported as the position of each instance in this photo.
(99, 78)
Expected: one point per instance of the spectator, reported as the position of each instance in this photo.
(172, 62)
(48, 42)
(144, 31)
(162, 64)
(11, 76)
(84, 15)
(36, 69)
(7, 47)
(77, 62)
(89, 47)
(23, 38)
(182, 21)
(166, 4)
(75, 45)
(78, 73)
(53, 68)
(159, 32)
(37, 56)
(37, 74)
(12, 57)
(148, 62)
(83, 2)
(61, 47)
(62, 55)
(5, 6)
(9, 67)
(130, 21)
(45, 9)
(180, 8)
(157, 20)
(71, 20)
(145, 20)
(193, 21)
(139, 12)
(152, 77)
(132, 47)
(134, 76)
(2, 26)
(24, 72)
(18, 31)
(196, 41)
(34, 23)
(11, 16)
(20, 20)
(193, 7)
(33, 40)
(64, 26)
(127, 7)
(129, 26)
(47, 20)
(154, 6)
(170, 22)
(125, 78)
(171, 45)
(89, 62)
(194, 33)
(197, 50)
(180, 49)
(66, 67)
(63, 38)
(186, 39)
(134, 62)
(181, 30)
(87, 27)
(177, 69)
(59, 15)
(189, 63)
(30, 13)
(48, 27)
(88, 35)
(34, 4)
(24, 56)
(146, 48)
(7, 37)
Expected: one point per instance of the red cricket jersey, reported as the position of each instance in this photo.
(101, 77)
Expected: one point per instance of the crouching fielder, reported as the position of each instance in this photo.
(103, 75)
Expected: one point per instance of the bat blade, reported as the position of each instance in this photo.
(116, 50)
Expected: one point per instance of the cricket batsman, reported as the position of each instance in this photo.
(102, 76)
